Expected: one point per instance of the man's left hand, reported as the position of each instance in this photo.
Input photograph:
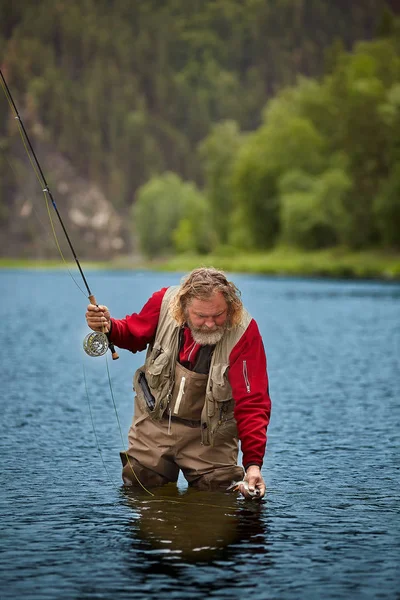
(255, 482)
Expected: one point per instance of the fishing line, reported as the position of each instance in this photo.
(120, 431)
(94, 428)
(96, 436)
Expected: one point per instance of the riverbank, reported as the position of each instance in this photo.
(282, 262)
(333, 264)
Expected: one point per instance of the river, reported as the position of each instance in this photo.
(329, 525)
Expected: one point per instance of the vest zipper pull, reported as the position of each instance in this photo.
(246, 377)
(180, 395)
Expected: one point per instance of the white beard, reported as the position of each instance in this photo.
(207, 338)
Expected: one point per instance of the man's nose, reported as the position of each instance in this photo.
(209, 323)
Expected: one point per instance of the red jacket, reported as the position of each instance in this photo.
(247, 372)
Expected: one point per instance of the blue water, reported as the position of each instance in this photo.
(329, 526)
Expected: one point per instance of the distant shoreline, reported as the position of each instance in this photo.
(283, 262)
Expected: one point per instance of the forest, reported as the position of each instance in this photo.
(212, 126)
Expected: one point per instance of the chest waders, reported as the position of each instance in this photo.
(184, 419)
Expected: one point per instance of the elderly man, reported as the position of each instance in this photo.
(203, 386)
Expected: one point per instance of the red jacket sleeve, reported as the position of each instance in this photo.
(249, 381)
(137, 330)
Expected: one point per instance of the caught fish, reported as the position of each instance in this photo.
(235, 487)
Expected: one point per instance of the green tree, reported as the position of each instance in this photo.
(279, 145)
(217, 153)
(127, 90)
(390, 114)
(358, 89)
(171, 214)
(8, 182)
(313, 214)
(344, 132)
(387, 210)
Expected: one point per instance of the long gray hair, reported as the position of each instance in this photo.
(203, 283)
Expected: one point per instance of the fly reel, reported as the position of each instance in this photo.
(96, 343)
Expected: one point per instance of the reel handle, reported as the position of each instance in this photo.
(114, 354)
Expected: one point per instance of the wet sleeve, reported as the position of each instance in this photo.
(138, 329)
(249, 381)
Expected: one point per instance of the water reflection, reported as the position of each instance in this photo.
(193, 525)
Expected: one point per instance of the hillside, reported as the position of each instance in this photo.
(118, 93)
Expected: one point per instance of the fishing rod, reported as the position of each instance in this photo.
(97, 342)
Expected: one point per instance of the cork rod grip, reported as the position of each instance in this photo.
(115, 355)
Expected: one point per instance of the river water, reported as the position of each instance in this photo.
(329, 526)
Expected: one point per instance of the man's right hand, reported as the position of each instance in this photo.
(98, 318)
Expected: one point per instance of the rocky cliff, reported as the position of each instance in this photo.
(96, 230)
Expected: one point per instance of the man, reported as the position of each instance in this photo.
(204, 384)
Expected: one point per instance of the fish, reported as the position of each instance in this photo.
(235, 487)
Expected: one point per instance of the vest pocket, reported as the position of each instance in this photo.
(220, 387)
(220, 410)
(223, 423)
(188, 394)
(157, 367)
(140, 399)
(226, 431)
(148, 396)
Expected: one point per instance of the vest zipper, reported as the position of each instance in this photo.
(246, 377)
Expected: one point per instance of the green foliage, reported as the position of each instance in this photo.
(284, 142)
(358, 90)
(331, 190)
(195, 232)
(255, 187)
(8, 181)
(183, 236)
(217, 153)
(312, 212)
(335, 262)
(310, 174)
(86, 66)
(129, 91)
(387, 209)
(390, 114)
(171, 214)
(241, 235)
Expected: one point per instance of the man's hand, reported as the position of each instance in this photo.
(255, 482)
(98, 318)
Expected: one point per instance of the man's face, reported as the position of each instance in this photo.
(208, 319)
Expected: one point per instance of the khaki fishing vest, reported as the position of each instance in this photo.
(217, 420)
